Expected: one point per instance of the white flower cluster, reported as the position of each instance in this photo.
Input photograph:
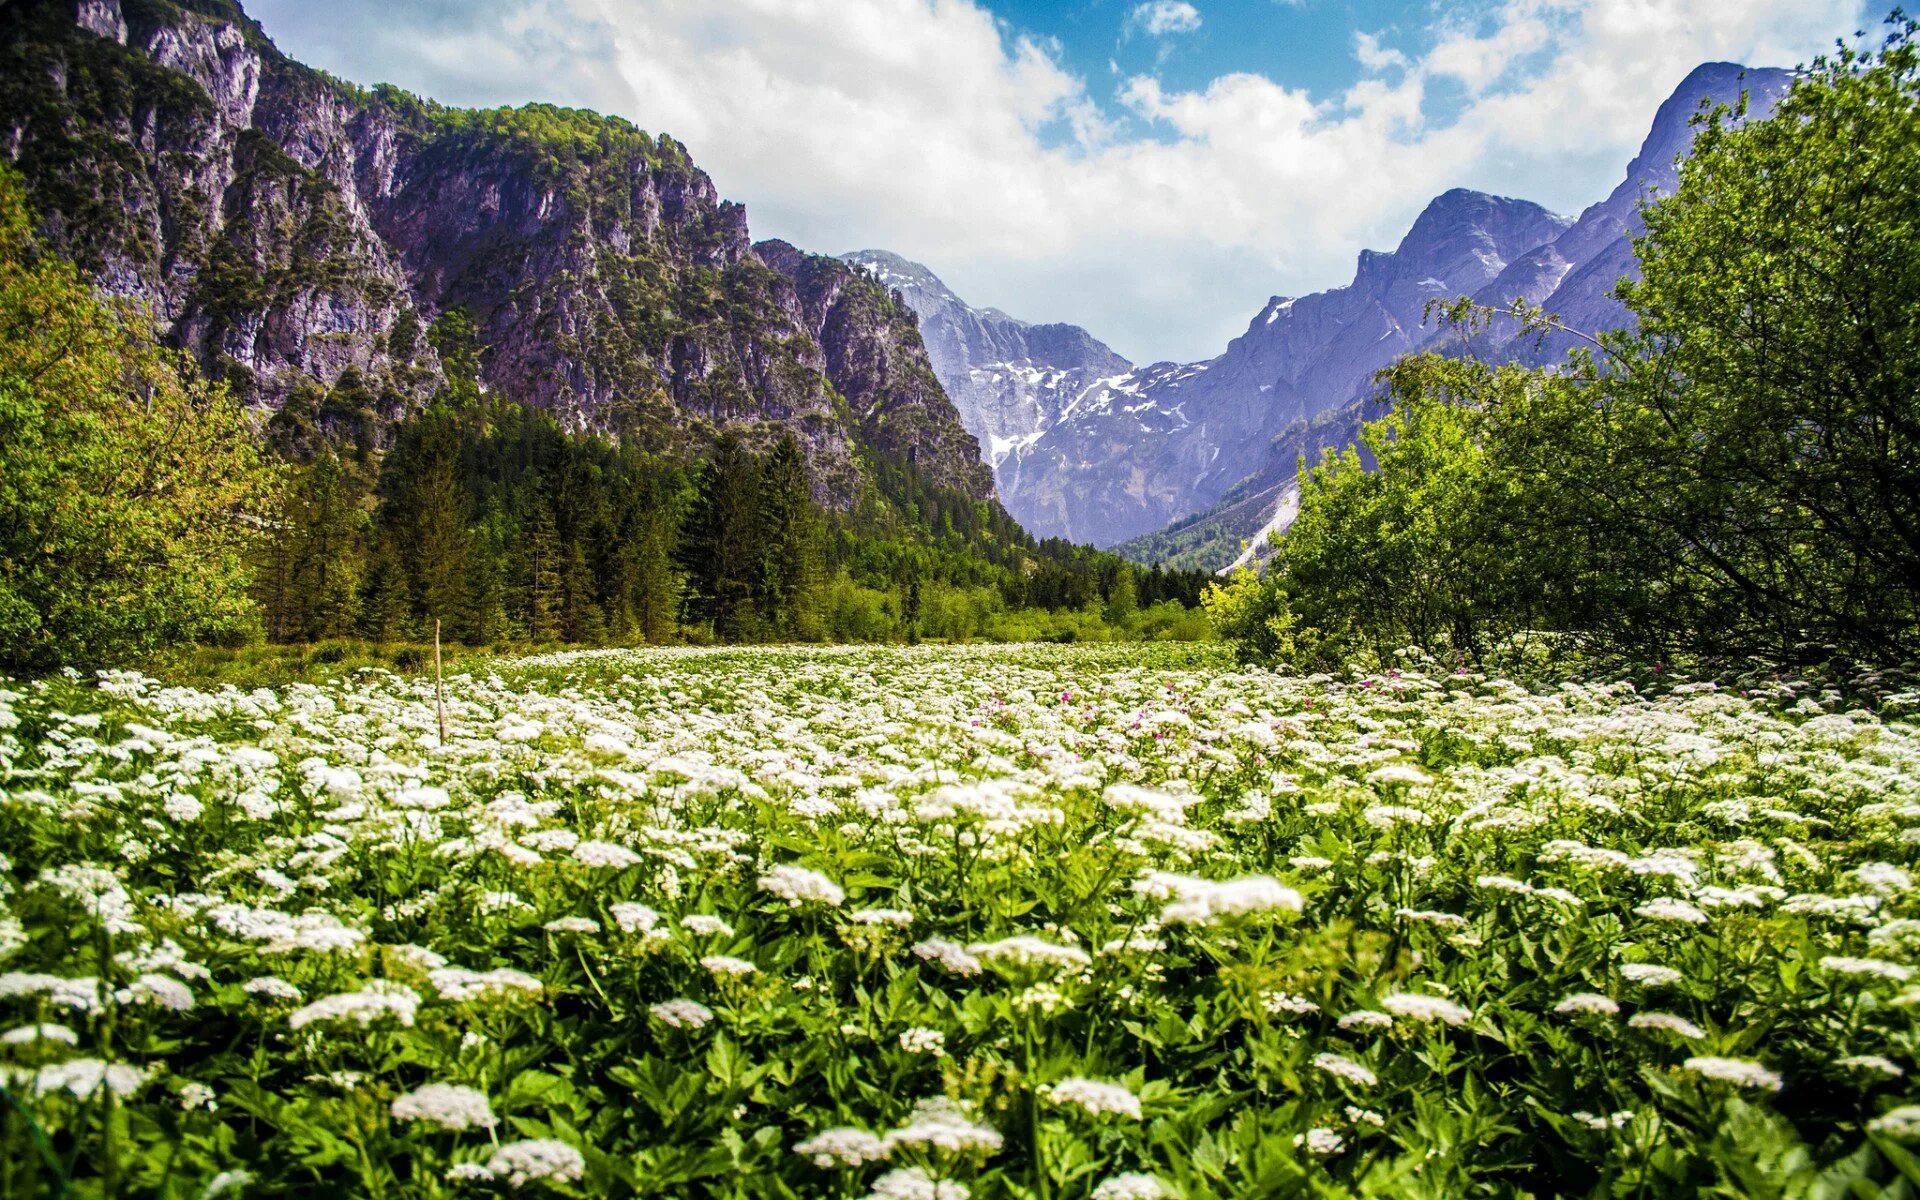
(448, 1106)
(1098, 848)
(378, 1000)
(798, 886)
(1094, 1097)
(534, 1160)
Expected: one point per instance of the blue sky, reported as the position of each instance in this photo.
(1309, 46)
(1150, 170)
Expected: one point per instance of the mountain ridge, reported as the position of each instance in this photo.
(1571, 275)
(1009, 379)
(291, 231)
(1170, 439)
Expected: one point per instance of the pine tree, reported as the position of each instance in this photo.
(439, 529)
(792, 552)
(487, 619)
(580, 526)
(383, 598)
(649, 533)
(539, 570)
(1123, 596)
(331, 530)
(721, 546)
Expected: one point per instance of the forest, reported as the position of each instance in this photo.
(1735, 480)
(143, 508)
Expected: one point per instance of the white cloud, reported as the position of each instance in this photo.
(1480, 62)
(1370, 54)
(1162, 17)
(930, 128)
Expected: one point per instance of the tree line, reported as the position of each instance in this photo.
(143, 508)
(489, 517)
(1735, 479)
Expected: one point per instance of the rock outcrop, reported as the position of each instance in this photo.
(286, 228)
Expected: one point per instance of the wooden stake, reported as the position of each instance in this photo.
(439, 699)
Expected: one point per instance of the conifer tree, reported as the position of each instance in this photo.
(331, 535)
(430, 516)
(792, 545)
(540, 570)
(721, 546)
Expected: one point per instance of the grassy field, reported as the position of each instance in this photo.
(1047, 922)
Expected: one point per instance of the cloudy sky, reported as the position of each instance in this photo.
(1152, 171)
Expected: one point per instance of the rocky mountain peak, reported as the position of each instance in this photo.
(1497, 250)
(1464, 238)
(298, 234)
(1010, 380)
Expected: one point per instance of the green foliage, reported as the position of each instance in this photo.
(511, 532)
(723, 551)
(129, 494)
(713, 926)
(1738, 477)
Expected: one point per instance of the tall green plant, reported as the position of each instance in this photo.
(130, 494)
(1738, 476)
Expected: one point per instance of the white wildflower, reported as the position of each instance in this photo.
(1876, 967)
(1901, 1124)
(1666, 908)
(1341, 1067)
(89, 1078)
(377, 1000)
(447, 1106)
(913, 1183)
(605, 856)
(1025, 951)
(951, 956)
(536, 1159)
(1093, 1096)
(1586, 1002)
(1132, 1187)
(797, 886)
(940, 1124)
(1650, 975)
(1736, 1071)
(1321, 1140)
(1667, 1023)
(924, 1041)
(682, 1014)
(842, 1147)
(1420, 1007)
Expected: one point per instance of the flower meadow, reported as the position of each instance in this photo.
(933, 923)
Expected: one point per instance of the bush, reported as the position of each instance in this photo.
(1740, 477)
(129, 494)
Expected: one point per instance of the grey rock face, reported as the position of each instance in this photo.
(1010, 380)
(872, 351)
(285, 227)
(1133, 453)
(143, 139)
(1571, 274)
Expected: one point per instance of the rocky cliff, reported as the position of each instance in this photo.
(1010, 380)
(1134, 453)
(1571, 274)
(871, 347)
(286, 227)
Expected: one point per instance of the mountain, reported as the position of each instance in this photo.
(1574, 275)
(1134, 452)
(872, 349)
(291, 231)
(1010, 380)
(1571, 273)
